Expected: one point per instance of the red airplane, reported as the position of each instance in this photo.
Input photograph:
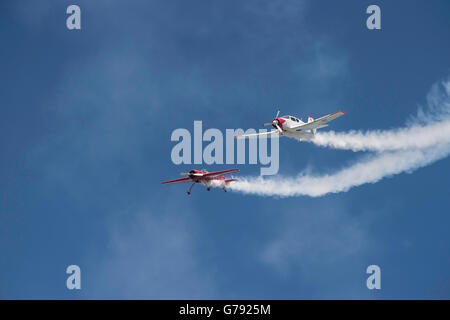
(208, 179)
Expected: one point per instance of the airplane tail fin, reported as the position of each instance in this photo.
(227, 182)
(311, 119)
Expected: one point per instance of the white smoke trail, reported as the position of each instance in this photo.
(428, 129)
(401, 150)
(370, 170)
(413, 137)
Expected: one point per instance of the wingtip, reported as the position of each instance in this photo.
(340, 111)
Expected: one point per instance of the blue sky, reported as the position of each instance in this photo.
(85, 142)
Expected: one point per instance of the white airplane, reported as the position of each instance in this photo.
(295, 128)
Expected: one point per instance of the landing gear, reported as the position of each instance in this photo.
(225, 190)
(190, 188)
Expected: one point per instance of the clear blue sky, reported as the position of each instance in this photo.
(85, 125)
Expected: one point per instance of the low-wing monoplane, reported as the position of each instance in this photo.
(208, 179)
(293, 127)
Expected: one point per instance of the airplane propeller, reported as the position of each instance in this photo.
(275, 122)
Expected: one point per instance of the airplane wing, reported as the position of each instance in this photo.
(218, 173)
(320, 122)
(186, 179)
(255, 134)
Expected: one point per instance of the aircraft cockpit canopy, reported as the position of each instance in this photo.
(291, 118)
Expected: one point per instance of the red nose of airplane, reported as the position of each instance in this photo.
(277, 121)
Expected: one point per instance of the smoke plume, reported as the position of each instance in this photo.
(424, 140)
